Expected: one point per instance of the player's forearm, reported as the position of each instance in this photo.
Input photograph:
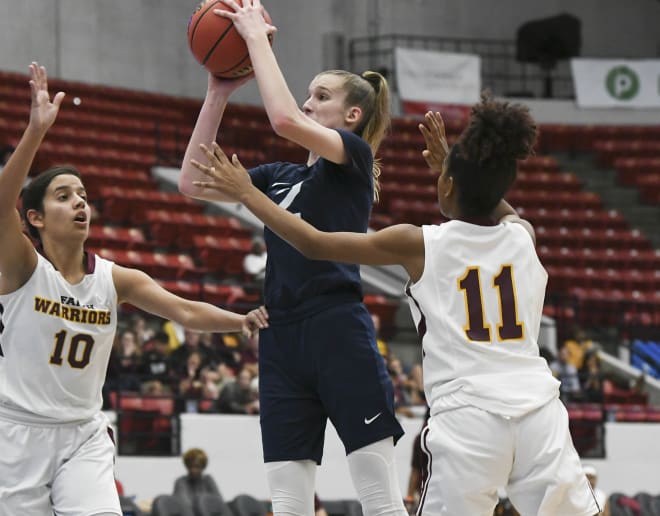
(278, 101)
(205, 131)
(17, 168)
(205, 317)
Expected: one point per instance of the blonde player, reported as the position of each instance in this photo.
(58, 315)
(476, 294)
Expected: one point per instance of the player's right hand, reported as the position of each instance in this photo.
(43, 112)
(437, 148)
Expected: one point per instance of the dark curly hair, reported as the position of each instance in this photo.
(483, 161)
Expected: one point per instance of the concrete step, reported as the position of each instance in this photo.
(623, 199)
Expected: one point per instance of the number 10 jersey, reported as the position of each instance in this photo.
(477, 308)
(55, 343)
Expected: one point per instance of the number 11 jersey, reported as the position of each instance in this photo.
(477, 308)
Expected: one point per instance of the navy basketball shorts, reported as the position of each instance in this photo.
(324, 366)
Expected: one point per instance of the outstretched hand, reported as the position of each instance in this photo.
(437, 148)
(249, 19)
(43, 112)
(255, 320)
(227, 177)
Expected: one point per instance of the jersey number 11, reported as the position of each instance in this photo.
(477, 329)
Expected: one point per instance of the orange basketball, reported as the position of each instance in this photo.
(215, 42)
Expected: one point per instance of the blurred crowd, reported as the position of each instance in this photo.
(211, 372)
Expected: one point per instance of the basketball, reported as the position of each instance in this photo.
(215, 42)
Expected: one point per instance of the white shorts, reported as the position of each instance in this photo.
(67, 469)
(472, 453)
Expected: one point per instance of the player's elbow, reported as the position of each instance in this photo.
(312, 248)
(189, 190)
(185, 187)
(284, 124)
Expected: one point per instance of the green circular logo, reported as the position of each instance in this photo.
(622, 83)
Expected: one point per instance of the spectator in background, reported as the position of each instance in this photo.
(156, 365)
(213, 381)
(227, 350)
(192, 343)
(254, 267)
(190, 379)
(238, 396)
(175, 332)
(599, 494)
(401, 386)
(250, 353)
(254, 263)
(138, 325)
(195, 483)
(124, 366)
(591, 378)
(382, 345)
(567, 374)
(577, 347)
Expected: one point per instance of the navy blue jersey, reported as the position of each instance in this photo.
(330, 197)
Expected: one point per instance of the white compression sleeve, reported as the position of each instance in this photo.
(375, 479)
(292, 487)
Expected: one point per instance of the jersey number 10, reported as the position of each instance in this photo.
(80, 349)
(477, 329)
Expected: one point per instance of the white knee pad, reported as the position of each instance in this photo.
(292, 487)
(375, 479)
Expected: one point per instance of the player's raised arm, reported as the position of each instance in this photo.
(206, 130)
(17, 259)
(287, 119)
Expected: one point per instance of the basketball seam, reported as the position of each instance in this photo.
(206, 58)
(243, 59)
(199, 19)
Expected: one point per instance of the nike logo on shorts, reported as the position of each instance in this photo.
(371, 420)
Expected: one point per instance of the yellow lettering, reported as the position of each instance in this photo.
(41, 304)
(55, 310)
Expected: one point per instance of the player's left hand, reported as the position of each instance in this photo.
(255, 320)
(227, 177)
(437, 148)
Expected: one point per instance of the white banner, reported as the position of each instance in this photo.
(440, 77)
(616, 83)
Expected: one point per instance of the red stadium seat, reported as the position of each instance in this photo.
(222, 254)
(113, 237)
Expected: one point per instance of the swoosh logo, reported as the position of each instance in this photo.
(371, 420)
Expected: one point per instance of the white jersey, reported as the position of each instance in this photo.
(478, 309)
(55, 343)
